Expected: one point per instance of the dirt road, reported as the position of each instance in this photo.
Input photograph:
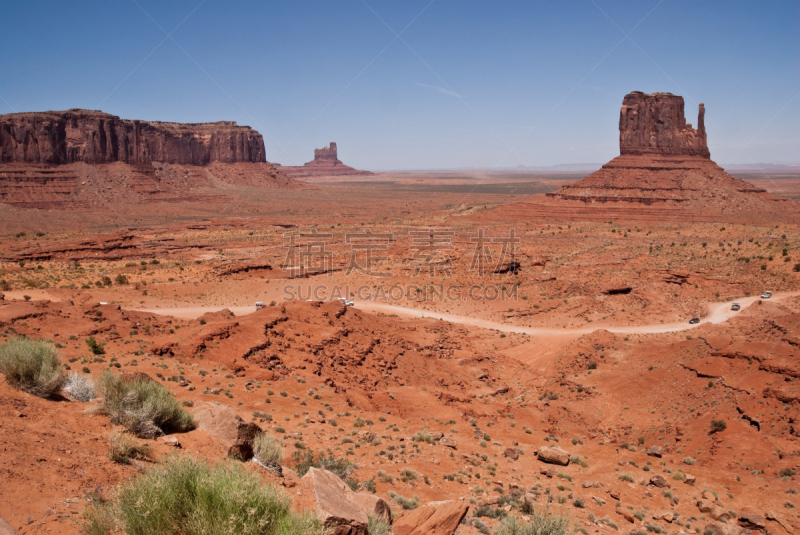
(718, 313)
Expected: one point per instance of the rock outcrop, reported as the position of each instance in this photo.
(94, 137)
(435, 518)
(340, 510)
(655, 124)
(229, 428)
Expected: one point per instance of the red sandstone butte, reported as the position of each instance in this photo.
(94, 137)
(663, 160)
(325, 163)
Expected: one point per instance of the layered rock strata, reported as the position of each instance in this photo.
(94, 137)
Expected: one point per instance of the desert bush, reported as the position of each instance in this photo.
(540, 523)
(145, 407)
(405, 503)
(122, 448)
(422, 436)
(407, 474)
(94, 346)
(186, 496)
(268, 450)
(79, 387)
(717, 426)
(487, 511)
(377, 526)
(689, 460)
(305, 459)
(32, 366)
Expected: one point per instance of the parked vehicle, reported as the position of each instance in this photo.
(766, 295)
(346, 301)
(259, 305)
(694, 321)
(736, 306)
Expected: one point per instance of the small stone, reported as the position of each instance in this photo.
(655, 451)
(659, 481)
(170, 440)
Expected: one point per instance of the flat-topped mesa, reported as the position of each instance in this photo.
(655, 124)
(94, 137)
(327, 153)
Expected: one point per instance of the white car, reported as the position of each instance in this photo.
(766, 295)
(736, 306)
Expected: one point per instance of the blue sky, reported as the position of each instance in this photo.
(466, 83)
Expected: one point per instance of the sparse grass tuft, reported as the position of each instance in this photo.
(376, 526)
(540, 523)
(268, 450)
(422, 436)
(186, 496)
(122, 448)
(145, 407)
(32, 366)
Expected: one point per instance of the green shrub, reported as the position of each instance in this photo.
(122, 448)
(268, 450)
(717, 426)
(32, 366)
(540, 523)
(145, 407)
(487, 511)
(94, 346)
(186, 496)
(405, 503)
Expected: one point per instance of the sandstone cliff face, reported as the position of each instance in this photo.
(655, 124)
(95, 137)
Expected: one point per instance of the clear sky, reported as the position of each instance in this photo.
(417, 84)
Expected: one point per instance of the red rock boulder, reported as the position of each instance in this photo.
(435, 518)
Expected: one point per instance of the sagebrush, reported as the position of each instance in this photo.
(268, 450)
(32, 366)
(79, 387)
(541, 522)
(186, 496)
(145, 407)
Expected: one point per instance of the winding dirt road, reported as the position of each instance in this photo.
(718, 313)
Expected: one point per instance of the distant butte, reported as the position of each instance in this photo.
(325, 163)
(664, 170)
